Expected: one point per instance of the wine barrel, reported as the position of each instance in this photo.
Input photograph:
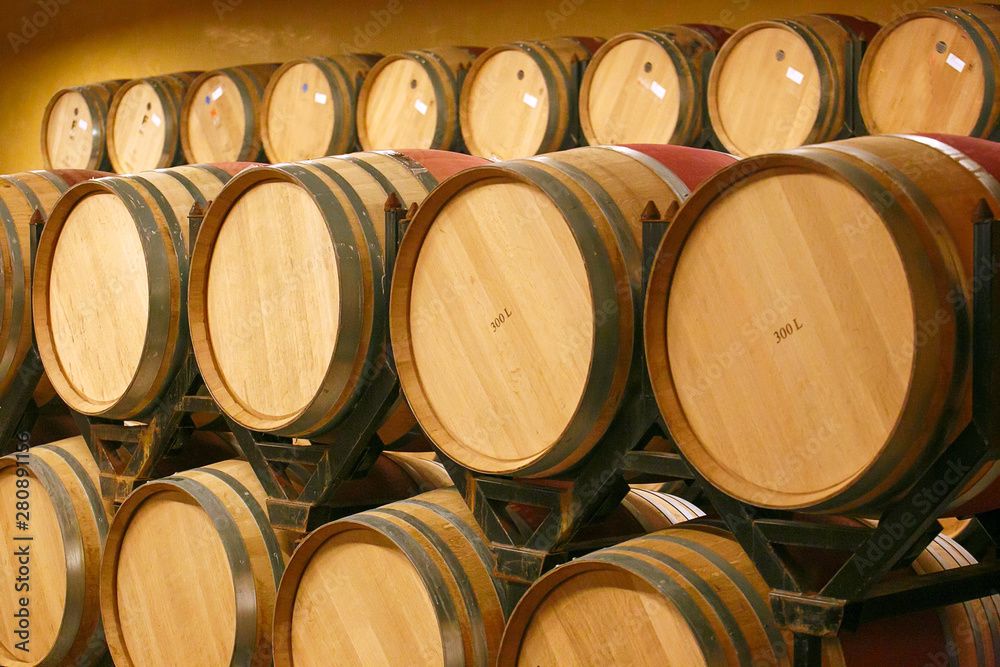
(110, 286)
(522, 99)
(219, 119)
(410, 100)
(781, 84)
(655, 511)
(855, 271)
(668, 104)
(690, 596)
(515, 301)
(310, 106)
(20, 196)
(406, 584)
(73, 127)
(935, 70)
(67, 525)
(144, 123)
(290, 351)
(208, 528)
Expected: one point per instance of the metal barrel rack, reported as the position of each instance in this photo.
(18, 409)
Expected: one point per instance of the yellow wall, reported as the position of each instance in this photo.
(50, 44)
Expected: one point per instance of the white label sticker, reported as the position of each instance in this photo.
(530, 100)
(421, 107)
(658, 90)
(956, 62)
(217, 93)
(156, 120)
(83, 125)
(795, 75)
(320, 98)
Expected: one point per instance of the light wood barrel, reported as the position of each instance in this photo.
(406, 584)
(20, 196)
(190, 571)
(219, 120)
(73, 127)
(310, 106)
(68, 523)
(689, 596)
(853, 272)
(522, 99)
(515, 300)
(144, 123)
(286, 280)
(656, 511)
(668, 104)
(781, 84)
(110, 286)
(410, 100)
(935, 70)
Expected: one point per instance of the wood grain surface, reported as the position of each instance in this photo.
(200, 612)
(512, 341)
(798, 275)
(928, 72)
(401, 585)
(310, 105)
(283, 301)
(648, 87)
(66, 522)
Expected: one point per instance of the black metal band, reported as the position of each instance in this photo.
(437, 590)
(260, 518)
(480, 650)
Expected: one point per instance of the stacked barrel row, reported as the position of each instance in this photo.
(773, 85)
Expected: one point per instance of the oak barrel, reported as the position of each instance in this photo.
(522, 99)
(655, 511)
(780, 84)
(310, 106)
(649, 86)
(190, 571)
(405, 584)
(689, 596)
(110, 286)
(286, 279)
(219, 119)
(515, 300)
(20, 196)
(73, 127)
(67, 525)
(837, 281)
(410, 100)
(935, 70)
(144, 123)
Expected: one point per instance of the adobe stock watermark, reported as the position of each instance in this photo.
(31, 24)
(223, 7)
(364, 33)
(562, 12)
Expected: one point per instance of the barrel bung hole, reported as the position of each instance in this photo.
(647, 68)
(520, 75)
(413, 83)
(780, 55)
(941, 47)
